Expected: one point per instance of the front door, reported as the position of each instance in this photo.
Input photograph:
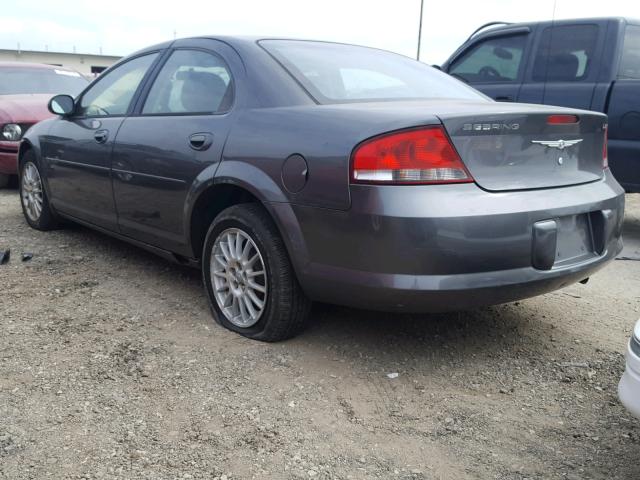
(494, 65)
(178, 131)
(77, 149)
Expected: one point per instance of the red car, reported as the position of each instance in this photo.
(25, 90)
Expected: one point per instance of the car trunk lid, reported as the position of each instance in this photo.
(518, 151)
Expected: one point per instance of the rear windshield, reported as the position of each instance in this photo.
(337, 73)
(17, 80)
(630, 63)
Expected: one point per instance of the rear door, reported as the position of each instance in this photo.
(77, 149)
(566, 64)
(495, 64)
(178, 129)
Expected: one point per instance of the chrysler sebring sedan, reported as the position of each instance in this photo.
(295, 171)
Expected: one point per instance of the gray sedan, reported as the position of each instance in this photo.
(295, 171)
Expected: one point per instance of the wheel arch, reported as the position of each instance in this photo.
(209, 203)
(226, 190)
(25, 146)
(31, 145)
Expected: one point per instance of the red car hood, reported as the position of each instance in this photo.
(24, 108)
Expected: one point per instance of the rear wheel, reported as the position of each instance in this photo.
(250, 283)
(4, 180)
(35, 204)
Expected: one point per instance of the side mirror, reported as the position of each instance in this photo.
(61, 105)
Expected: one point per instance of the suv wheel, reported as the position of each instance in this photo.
(251, 286)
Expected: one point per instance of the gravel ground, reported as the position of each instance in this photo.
(111, 367)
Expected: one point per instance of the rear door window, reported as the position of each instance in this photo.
(497, 59)
(630, 64)
(192, 81)
(565, 53)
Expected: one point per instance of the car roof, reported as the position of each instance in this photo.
(242, 41)
(507, 26)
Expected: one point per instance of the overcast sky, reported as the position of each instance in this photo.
(119, 27)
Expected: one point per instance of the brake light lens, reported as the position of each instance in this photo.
(419, 156)
(561, 119)
(605, 148)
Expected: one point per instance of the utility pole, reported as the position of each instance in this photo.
(420, 30)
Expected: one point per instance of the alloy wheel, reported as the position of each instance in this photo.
(239, 277)
(31, 192)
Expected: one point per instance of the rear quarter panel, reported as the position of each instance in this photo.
(324, 135)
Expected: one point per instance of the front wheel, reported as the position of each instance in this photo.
(34, 200)
(250, 283)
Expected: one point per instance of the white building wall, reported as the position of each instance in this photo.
(79, 62)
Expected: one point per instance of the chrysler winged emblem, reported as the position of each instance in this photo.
(559, 144)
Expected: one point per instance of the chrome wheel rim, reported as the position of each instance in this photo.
(31, 192)
(239, 277)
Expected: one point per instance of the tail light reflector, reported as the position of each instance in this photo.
(561, 119)
(605, 149)
(419, 156)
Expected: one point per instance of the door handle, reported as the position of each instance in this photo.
(200, 141)
(504, 98)
(101, 136)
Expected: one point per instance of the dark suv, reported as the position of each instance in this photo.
(593, 64)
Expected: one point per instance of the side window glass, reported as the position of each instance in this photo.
(191, 81)
(493, 60)
(113, 92)
(630, 64)
(565, 54)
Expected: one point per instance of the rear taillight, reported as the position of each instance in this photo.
(605, 149)
(418, 156)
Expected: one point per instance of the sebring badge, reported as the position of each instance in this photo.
(559, 144)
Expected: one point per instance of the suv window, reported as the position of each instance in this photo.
(192, 81)
(496, 59)
(112, 93)
(630, 64)
(565, 54)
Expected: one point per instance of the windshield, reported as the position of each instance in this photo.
(336, 73)
(17, 80)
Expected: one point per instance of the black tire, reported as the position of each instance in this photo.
(286, 308)
(4, 180)
(47, 220)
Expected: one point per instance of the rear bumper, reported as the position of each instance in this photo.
(443, 247)
(9, 158)
(629, 388)
(442, 293)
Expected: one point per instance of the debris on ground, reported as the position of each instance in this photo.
(111, 367)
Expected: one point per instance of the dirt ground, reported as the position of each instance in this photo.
(111, 367)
